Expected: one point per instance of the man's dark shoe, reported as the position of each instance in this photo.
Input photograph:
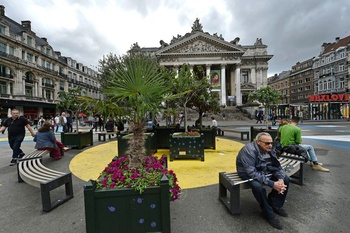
(280, 211)
(21, 155)
(275, 223)
(13, 162)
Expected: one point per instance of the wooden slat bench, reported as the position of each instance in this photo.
(33, 172)
(102, 135)
(242, 132)
(232, 183)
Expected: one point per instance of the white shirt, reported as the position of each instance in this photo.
(214, 123)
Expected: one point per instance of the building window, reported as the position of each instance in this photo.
(3, 88)
(341, 67)
(11, 50)
(61, 86)
(245, 76)
(29, 91)
(2, 47)
(29, 57)
(2, 29)
(48, 51)
(29, 41)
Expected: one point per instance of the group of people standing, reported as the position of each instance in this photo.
(63, 123)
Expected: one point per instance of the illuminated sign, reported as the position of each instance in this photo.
(329, 98)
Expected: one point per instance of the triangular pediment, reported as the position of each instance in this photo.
(200, 43)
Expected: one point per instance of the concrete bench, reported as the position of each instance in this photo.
(33, 172)
(102, 135)
(232, 183)
(242, 132)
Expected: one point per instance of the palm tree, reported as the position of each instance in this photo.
(139, 83)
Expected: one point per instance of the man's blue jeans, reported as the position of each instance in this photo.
(310, 150)
(15, 144)
(273, 199)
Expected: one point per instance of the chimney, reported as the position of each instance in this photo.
(2, 10)
(337, 39)
(26, 25)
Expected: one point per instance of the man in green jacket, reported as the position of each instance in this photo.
(291, 135)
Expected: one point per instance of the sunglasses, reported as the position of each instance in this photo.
(266, 143)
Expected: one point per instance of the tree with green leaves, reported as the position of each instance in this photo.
(139, 83)
(198, 93)
(69, 101)
(266, 96)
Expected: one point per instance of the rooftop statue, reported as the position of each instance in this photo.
(197, 27)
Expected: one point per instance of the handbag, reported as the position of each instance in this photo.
(60, 129)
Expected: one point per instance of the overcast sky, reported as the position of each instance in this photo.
(85, 30)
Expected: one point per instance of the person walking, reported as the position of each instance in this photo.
(69, 123)
(15, 126)
(57, 121)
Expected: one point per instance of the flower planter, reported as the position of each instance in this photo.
(150, 144)
(125, 210)
(77, 140)
(186, 147)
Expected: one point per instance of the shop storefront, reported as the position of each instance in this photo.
(329, 106)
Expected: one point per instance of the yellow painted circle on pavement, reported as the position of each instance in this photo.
(191, 173)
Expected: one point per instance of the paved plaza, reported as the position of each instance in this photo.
(320, 205)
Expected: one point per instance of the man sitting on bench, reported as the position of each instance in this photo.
(257, 162)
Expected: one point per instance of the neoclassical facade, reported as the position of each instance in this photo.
(32, 72)
(234, 69)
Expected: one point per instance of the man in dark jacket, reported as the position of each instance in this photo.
(257, 161)
(16, 131)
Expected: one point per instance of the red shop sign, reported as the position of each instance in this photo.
(329, 98)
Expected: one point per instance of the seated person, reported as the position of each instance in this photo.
(291, 135)
(257, 161)
(45, 140)
(110, 125)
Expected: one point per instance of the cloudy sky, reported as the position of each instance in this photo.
(88, 29)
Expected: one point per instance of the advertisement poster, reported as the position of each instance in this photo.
(215, 79)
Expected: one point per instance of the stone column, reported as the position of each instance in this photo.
(223, 84)
(253, 76)
(176, 68)
(207, 73)
(40, 87)
(9, 88)
(238, 85)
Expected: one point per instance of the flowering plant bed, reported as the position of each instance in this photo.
(187, 134)
(129, 200)
(118, 175)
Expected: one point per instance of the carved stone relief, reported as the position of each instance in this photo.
(200, 46)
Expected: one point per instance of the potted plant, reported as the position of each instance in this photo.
(137, 84)
(186, 145)
(70, 101)
(127, 199)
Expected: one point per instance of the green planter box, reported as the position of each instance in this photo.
(163, 135)
(186, 147)
(254, 131)
(125, 210)
(150, 144)
(77, 140)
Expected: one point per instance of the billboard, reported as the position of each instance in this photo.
(215, 79)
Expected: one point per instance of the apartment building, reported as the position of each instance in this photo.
(319, 86)
(331, 77)
(32, 72)
(281, 82)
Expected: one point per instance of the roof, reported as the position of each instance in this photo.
(334, 46)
